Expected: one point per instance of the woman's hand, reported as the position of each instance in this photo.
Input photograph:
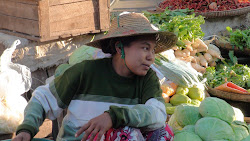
(96, 126)
(22, 136)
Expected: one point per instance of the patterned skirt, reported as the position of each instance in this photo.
(134, 134)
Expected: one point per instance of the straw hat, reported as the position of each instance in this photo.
(132, 24)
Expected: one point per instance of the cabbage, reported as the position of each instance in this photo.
(186, 136)
(61, 69)
(82, 53)
(210, 129)
(239, 116)
(189, 128)
(215, 107)
(178, 99)
(196, 93)
(247, 138)
(187, 114)
(173, 123)
(240, 129)
(182, 90)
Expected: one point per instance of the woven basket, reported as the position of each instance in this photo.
(227, 46)
(228, 95)
(226, 13)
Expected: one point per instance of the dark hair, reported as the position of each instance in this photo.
(108, 45)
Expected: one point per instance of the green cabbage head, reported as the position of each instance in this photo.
(247, 138)
(82, 53)
(239, 116)
(210, 129)
(240, 129)
(215, 107)
(61, 69)
(187, 114)
(173, 123)
(189, 128)
(186, 136)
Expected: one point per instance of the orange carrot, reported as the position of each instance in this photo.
(231, 87)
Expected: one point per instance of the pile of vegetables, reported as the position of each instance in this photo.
(190, 46)
(214, 119)
(183, 85)
(186, 27)
(239, 38)
(204, 5)
(184, 95)
(200, 54)
(238, 74)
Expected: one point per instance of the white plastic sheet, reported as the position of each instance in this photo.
(15, 79)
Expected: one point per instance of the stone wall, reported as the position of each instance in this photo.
(217, 26)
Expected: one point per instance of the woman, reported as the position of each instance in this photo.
(117, 98)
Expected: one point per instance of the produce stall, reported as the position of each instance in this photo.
(203, 80)
(222, 70)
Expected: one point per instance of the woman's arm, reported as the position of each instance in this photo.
(149, 116)
(41, 105)
(49, 100)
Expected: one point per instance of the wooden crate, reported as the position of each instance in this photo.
(44, 20)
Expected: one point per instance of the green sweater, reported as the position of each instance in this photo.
(88, 89)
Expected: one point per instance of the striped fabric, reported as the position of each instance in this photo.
(90, 88)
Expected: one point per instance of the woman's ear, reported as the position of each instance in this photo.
(117, 47)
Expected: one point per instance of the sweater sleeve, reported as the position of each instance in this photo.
(48, 101)
(149, 115)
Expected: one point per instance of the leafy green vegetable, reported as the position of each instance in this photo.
(186, 136)
(240, 129)
(211, 129)
(232, 57)
(238, 74)
(189, 128)
(239, 38)
(186, 27)
(166, 16)
(187, 114)
(218, 108)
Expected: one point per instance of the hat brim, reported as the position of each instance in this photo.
(164, 40)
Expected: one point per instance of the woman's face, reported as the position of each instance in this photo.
(140, 55)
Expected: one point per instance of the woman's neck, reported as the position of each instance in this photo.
(120, 67)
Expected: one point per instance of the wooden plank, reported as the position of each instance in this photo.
(68, 35)
(31, 2)
(72, 18)
(44, 23)
(19, 9)
(82, 23)
(30, 37)
(104, 14)
(19, 25)
(70, 11)
(58, 2)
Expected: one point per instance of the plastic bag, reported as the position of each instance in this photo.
(15, 79)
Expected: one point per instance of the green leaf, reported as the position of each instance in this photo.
(232, 57)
